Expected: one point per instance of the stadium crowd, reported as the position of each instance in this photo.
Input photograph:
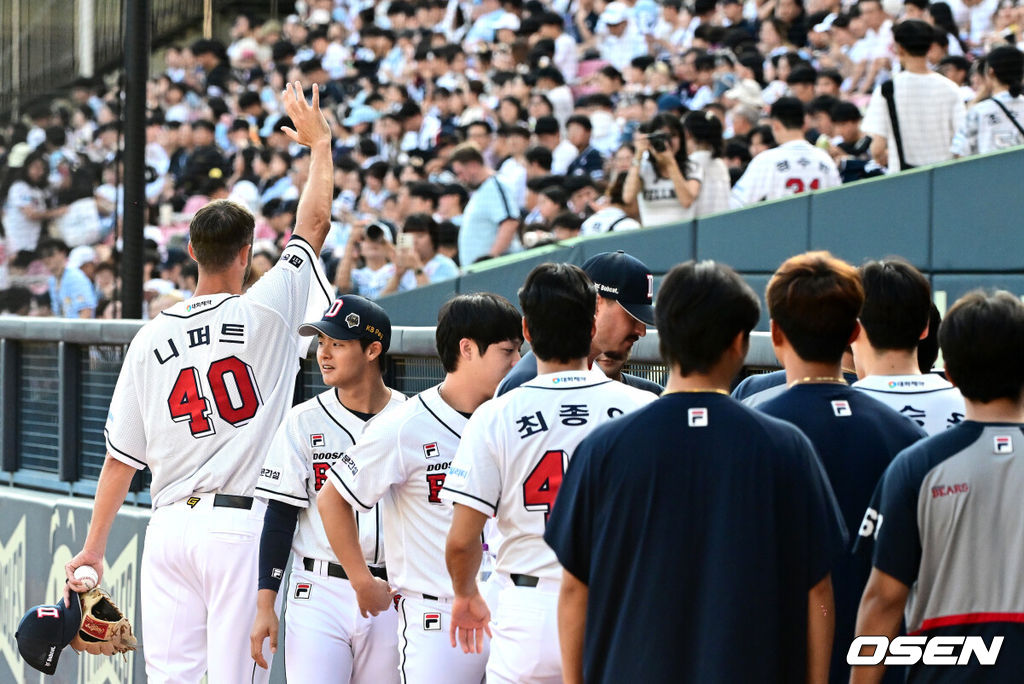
(465, 131)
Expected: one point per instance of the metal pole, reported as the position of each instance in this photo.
(86, 37)
(136, 62)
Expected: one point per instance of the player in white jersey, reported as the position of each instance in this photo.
(510, 464)
(202, 386)
(895, 318)
(324, 631)
(402, 459)
(793, 167)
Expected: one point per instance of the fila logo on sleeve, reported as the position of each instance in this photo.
(432, 622)
(430, 450)
(1002, 444)
(697, 417)
(841, 408)
(317, 440)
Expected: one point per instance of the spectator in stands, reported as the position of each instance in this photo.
(928, 106)
(549, 135)
(661, 178)
(71, 292)
(996, 123)
(26, 204)
(622, 42)
(565, 225)
(704, 146)
(420, 264)
(793, 167)
(491, 217)
(613, 215)
(372, 245)
(588, 161)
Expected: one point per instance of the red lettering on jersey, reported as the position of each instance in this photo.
(797, 185)
(435, 481)
(947, 490)
(187, 403)
(320, 471)
(541, 486)
(245, 381)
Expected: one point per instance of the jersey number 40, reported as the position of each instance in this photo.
(541, 486)
(236, 404)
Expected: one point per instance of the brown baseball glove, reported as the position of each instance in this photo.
(105, 630)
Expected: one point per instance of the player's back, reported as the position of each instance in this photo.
(205, 384)
(927, 399)
(532, 433)
(789, 169)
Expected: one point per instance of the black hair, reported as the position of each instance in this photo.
(913, 35)
(580, 120)
(422, 223)
(483, 317)
(558, 303)
(832, 75)
(675, 126)
(942, 15)
(981, 338)
(704, 62)
(425, 190)
(50, 245)
(928, 347)
(822, 104)
(541, 156)
(567, 219)
(845, 111)
(1006, 64)
(702, 306)
(802, 74)
(706, 128)
(789, 112)
(897, 303)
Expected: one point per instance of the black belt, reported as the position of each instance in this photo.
(524, 580)
(232, 501)
(335, 569)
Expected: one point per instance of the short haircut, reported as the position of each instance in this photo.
(981, 338)
(580, 120)
(815, 299)
(897, 303)
(832, 75)
(425, 190)
(50, 245)
(844, 111)
(913, 35)
(701, 308)
(541, 156)
(822, 104)
(218, 232)
(558, 303)
(802, 74)
(483, 317)
(789, 112)
(466, 153)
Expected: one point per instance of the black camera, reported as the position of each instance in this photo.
(658, 141)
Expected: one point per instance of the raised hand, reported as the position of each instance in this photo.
(310, 125)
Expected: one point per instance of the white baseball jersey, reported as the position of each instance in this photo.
(789, 169)
(207, 380)
(315, 435)
(515, 450)
(402, 459)
(928, 400)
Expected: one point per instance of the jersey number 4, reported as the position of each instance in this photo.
(541, 485)
(236, 404)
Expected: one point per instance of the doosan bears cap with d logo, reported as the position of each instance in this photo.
(44, 631)
(625, 279)
(352, 317)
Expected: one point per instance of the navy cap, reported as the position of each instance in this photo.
(625, 279)
(352, 317)
(45, 631)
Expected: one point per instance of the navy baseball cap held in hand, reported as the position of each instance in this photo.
(352, 317)
(625, 279)
(45, 631)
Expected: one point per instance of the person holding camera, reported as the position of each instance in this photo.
(661, 180)
(372, 245)
(417, 261)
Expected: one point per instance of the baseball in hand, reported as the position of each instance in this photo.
(87, 575)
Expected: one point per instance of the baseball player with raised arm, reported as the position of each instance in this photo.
(510, 463)
(325, 631)
(202, 386)
(402, 459)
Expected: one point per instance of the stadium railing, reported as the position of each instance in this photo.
(57, 377)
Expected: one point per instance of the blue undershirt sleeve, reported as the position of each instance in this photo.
(279, 523)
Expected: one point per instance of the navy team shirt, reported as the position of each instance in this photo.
(856, 437)
(947, 520)
(698, 525)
